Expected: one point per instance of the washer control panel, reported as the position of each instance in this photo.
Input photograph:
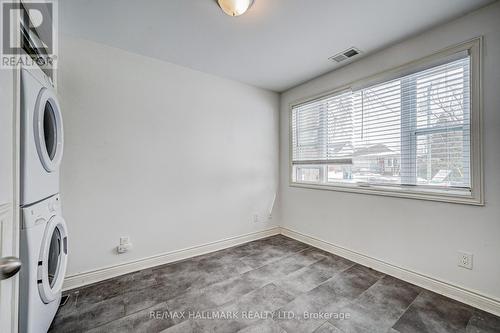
(40, 212)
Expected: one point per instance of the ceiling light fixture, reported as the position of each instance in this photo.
(235, 7)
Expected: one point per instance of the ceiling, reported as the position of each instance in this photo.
(276, 45)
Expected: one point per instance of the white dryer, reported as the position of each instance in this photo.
(44, 251)
(41, 137)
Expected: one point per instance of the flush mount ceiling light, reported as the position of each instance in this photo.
(235, 7)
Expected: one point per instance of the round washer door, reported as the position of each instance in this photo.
(48, 130)
(53, 259)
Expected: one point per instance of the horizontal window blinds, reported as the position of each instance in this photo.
(322, 130)
(413, 130)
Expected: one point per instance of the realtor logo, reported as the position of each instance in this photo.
(29, 34)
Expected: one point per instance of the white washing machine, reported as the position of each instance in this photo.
(41, 137)
(44, 251)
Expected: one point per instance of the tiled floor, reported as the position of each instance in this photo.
(269, 285)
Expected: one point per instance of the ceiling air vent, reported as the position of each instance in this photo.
(344, 55)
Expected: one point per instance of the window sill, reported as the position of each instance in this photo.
(449, 196)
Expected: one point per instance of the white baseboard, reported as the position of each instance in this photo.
(81, 279)
(472, 298)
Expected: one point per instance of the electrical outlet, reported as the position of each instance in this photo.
(124, 240)
(264, 218)
(465, 260)
(124, 245)
(261, 218)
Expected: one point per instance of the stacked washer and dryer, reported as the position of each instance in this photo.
(44, 240)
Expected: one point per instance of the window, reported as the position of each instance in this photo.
(414, 132)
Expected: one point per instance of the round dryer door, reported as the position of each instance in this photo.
(53, 259)
(48, 130)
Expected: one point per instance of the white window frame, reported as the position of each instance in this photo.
(476, 197)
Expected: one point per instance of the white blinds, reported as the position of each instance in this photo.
(413, 130)
(322, 130)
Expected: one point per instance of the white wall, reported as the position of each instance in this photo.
(169, 156)
(422, 236)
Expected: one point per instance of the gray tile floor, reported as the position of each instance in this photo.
(271, 285)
